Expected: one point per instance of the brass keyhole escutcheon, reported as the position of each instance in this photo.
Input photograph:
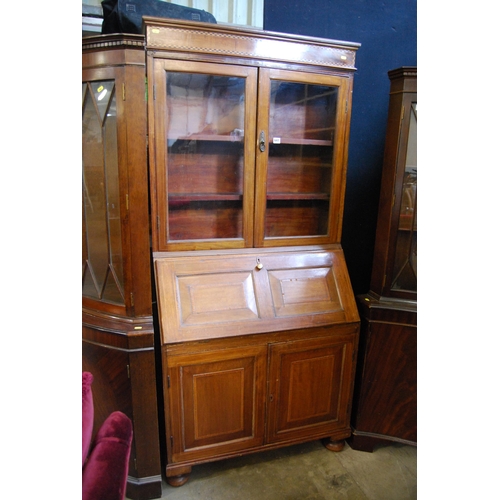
(259, 264)
(262, 141)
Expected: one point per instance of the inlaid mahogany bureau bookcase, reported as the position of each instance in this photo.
(258, 325)
(385, 401)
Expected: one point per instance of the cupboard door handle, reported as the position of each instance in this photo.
(262, 141)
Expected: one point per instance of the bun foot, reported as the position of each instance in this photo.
(177, 481)
(333, 445)
(178, 475)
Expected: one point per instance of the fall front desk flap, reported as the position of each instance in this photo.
(217, 294)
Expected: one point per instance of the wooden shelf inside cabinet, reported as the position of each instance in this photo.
(403, 226)
(212, 138)
(298, 196)
(177, 199)
(300, 142)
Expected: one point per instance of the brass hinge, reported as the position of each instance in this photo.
(132, 299)
(123, 91)
(128, 371)
(146, 88)
(126, 201)
(154, 92)
(346, 106)
(168, 381)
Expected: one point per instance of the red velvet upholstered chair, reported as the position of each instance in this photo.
(105, 460)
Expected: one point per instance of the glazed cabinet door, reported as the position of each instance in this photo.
(203, 161)
(115, 206)
(103, 127)
(403, 252)
(394, 270)
(216, 402)
(301, 159)
(309, 387)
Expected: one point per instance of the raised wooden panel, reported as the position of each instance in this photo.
(309, 384)
(304, 291)
(217, 297)
(218, 392)
(219, 399)
(226, 294)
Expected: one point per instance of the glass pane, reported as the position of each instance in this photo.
(102, 252)
(405, 266)
(300, 164)
(205, 134)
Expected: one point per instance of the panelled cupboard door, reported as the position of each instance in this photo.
(309, 387)
(302, 125)
(202, 169)
(217, 401)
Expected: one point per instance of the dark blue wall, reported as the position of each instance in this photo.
(387, 32)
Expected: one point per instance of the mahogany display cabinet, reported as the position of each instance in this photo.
(118, 333)
(385, 400)
(248, 137)
(214, 176)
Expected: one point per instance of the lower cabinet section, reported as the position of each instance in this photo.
(258, 351)
(123, 365)
(226, 397)
(385, 396)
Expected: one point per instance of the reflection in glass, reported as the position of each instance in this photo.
(205, 133)
(300, 164)
(405, 266)
(102, 248)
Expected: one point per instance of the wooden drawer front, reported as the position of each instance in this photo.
(309, 386)
(217, 399)
(225, 295)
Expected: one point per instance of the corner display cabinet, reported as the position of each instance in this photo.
(385, 400)
(118, 334)
(248, 139)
